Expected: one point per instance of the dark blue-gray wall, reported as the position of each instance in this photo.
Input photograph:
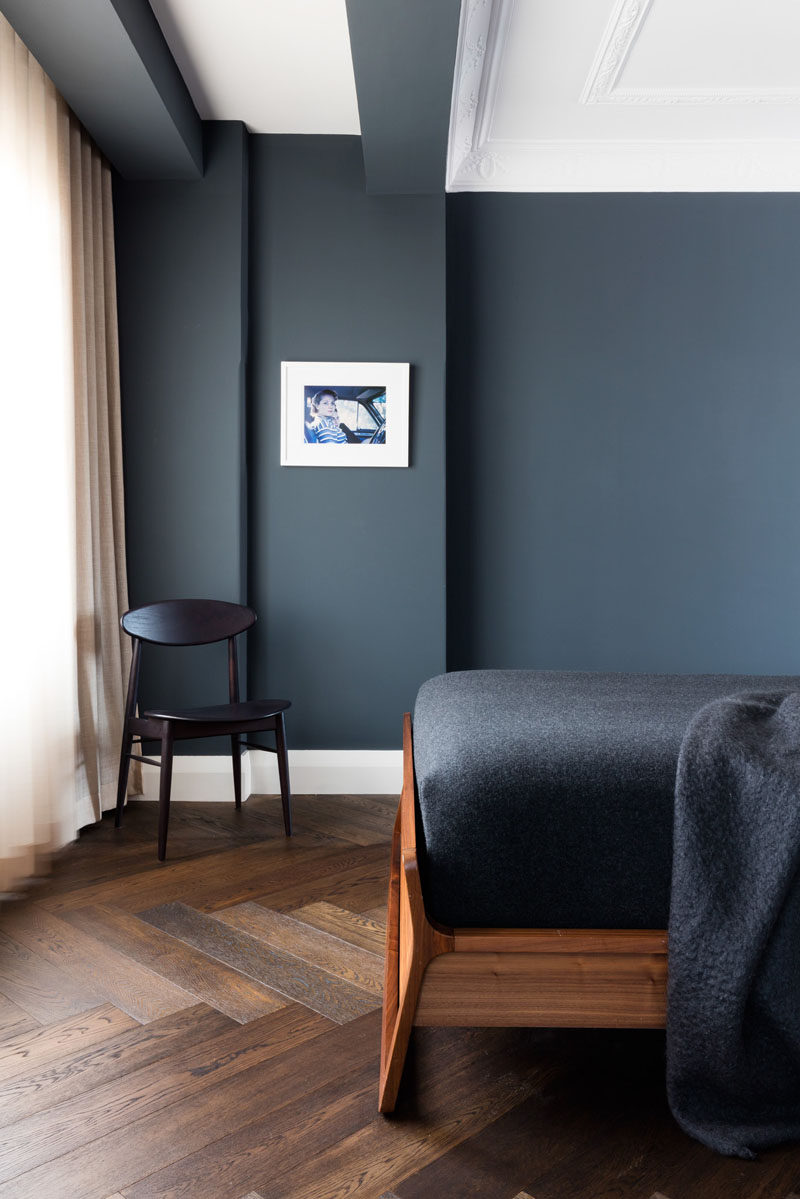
(347, 566)
(622, 383)
(219, 281)
(623, 432)
(182, 262)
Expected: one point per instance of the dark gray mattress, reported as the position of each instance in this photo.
(546, 797)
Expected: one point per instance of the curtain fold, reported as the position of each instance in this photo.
(103, 649)
(61, 515)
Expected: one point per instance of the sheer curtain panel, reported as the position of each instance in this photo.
(61, 515)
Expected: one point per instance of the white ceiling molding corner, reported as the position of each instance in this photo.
(602, 84)
(466, 159)
(541, 101)
(625, 22)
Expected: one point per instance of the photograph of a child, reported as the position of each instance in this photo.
(344, 415)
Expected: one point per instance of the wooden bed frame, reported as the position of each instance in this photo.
(547, 978)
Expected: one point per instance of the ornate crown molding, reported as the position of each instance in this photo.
(678, 95)
(624, 26)
(626, 19)
(473, 36)
(480, 161)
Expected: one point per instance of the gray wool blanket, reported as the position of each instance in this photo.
(733, 1024)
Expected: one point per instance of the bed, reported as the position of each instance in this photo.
(532, 851)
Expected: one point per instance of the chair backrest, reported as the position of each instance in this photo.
(187, 621)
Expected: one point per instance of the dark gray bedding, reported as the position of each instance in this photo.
(546, 797)
(733, 1018)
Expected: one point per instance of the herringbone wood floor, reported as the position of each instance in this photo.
(209, 1027)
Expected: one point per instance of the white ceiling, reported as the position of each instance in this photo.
(626, 95)
(548, 95)
(279, 67)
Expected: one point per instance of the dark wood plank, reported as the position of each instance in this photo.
(104, 854)
(598, 1127)
(293, 1132)
(40, 988)
(698, 1172)
(379, 808)
(165, 1083)
(221, 1101)
(14, 1019)
(306, 1127)
(90, 1068)
(625, 1174)
(208, 980)
(298, 980)
(329, 869)
(30, 1051)
(386, 1151)
(538, 1135)
(176, 880)
(357, 966)
(357, 888)
(366, 895)
(362, 826)
(104, 865)
(356, 927)
(112, 976)
(378, 914)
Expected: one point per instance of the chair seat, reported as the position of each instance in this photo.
(251, 709)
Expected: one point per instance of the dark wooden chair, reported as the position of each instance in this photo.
(196, 622)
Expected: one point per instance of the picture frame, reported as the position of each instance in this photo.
(344, 413)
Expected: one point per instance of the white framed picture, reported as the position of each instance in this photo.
(344, 413)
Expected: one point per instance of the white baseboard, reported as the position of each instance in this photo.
(332, 772)
(197, 777)
(311, 772)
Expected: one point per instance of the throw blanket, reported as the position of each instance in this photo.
(733, 1025)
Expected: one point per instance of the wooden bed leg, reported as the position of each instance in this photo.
(393, 1046)
(411, 941)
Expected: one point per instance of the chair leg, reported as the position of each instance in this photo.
(164, 789)
(236, 757)
(127, 735)
(124, 769)
(283, 773)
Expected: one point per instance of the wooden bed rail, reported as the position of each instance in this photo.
(549, 978)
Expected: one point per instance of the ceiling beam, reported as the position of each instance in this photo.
(403, 56)
(110, 62)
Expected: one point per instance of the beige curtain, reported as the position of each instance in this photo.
(102, 589)
(61, 515)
